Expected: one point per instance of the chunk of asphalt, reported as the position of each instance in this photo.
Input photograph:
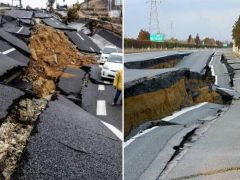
(14, 41)
(110, 37)
(7, 97)
(95, 75)
(73, 83)
(148, 154)
(17, 13)
(42, 15)
(193, 116)
(53, 22)
(9, 50)
(228, 93)
(70, 143)
(7, 64)
(83, 42)
(20, 31)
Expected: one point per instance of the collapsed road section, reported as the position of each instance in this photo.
(166, 90)
(167, 110)
(44, 132)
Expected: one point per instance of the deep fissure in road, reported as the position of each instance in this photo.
(15, 130)
(160, 96)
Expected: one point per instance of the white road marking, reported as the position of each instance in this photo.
(101, 108)
(91, 49)
(185, 110)
(164, 119)
(101, 87)
(212, 70)
(106, 82)
(80, 36)
(138, 135)
(118, 133)
(8, 51)
(19, 30)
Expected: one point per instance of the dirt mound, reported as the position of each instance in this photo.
(51, 53)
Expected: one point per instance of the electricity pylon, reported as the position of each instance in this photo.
(153, 18)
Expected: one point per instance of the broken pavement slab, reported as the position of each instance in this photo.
(14, 41)
(95, 75)
(71, 81)
(196, 61)
(229, 93)
(70, 143)
(83, 42)
(146, 159)
(7, 97)
(7, 64)
(216, 151)
(17, 13)
(194, 114)
(110, 37)
(10, 51)
(57, 24)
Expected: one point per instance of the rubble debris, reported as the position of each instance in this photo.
(15, 131)
(52, 52)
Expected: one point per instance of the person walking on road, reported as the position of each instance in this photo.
(117, 85)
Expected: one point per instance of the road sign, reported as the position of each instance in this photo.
(157, 37)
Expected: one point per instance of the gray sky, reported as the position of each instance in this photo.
(41, 3)
(209, 18)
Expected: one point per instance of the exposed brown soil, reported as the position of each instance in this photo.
(51, 53)
(171, 63)
(156, 105)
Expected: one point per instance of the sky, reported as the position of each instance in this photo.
(209, 18)
(41, 3)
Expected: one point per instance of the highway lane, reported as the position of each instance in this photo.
(196, 61)
(135, 74)
(97, 99)
(152, 55)
(216, 152)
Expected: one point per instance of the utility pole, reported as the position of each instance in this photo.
(19, 1)
(172, 28)
(153, 18)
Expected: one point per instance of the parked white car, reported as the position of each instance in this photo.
(107, 50)
(112, 65)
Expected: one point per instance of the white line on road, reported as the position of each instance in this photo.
(101, 108)
(8, 51)
(185, 110)
(19, 30)
(101, 87)
(91, 49)
(80, 36)
(114, 130)
(164, 119)
(106, 82)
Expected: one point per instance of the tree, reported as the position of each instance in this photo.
(189, 39)
(236, 32)
(197, 40)
(209, 41)
(143, 35)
